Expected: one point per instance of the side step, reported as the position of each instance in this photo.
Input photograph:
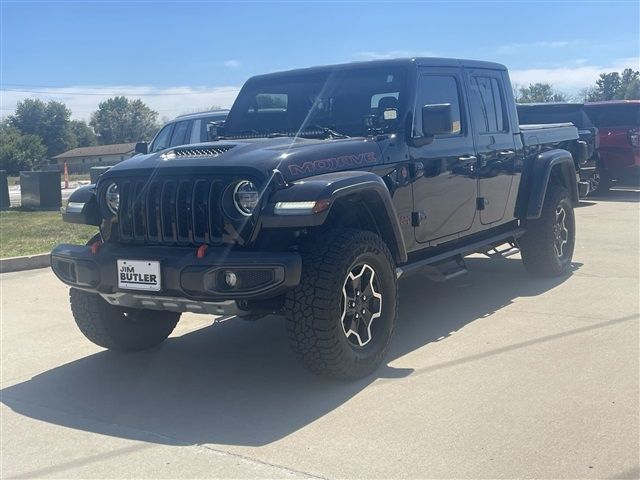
(482, 245)
(445, 270)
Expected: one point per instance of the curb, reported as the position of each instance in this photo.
(17, 264)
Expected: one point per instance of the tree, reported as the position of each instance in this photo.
(629, 85)
(608, 85)
(19, 151)
(539, 93)
(616, 86)
(85, 137)
(120, 120)
(50, 121)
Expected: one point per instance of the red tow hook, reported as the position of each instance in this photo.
(95, 246)
(202, 250)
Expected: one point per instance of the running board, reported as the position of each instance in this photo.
(445, 270)
(474, 247)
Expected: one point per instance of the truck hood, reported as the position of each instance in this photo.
(295, 158)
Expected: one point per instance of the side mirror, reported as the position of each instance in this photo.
(437, 120)
(142, 147)
(215, 130)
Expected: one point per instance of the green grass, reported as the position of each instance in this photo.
(25, 232)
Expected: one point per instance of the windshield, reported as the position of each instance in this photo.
(615, 115)
(341, 100)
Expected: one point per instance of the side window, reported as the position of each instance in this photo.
(270, 102)
(435, 89)
(179, 132)
(488, 105)
(162, 139)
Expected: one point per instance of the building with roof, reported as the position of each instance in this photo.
(80, 160)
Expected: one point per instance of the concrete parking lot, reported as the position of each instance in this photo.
(492, 375)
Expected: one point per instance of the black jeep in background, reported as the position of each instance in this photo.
(589, 169)
(323, 187)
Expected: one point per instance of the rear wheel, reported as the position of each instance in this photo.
(548, 243)
(600, 181)
(118, 328)
(341, 317)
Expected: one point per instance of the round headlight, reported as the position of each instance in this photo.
(112, 197)
(245, 197)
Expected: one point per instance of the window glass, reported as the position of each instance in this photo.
(488, 105)
(270, 102)
(162, 139)
(436, 89)
(340, 99)
(179, 133)
(375, 99)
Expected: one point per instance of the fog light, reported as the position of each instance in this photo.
(230, 279)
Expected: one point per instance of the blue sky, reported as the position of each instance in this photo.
(182, 56)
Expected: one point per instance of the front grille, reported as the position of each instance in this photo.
(171, 211)
(202, 151)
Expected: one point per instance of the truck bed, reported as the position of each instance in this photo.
(548, 133)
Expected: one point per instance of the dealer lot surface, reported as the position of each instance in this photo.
(494, 374)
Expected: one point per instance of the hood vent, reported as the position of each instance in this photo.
(212, 151)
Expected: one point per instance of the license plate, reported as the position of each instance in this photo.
(139, 275)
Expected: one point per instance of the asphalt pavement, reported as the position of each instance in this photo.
(492, 375)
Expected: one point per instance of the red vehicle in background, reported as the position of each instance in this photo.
(618, 125)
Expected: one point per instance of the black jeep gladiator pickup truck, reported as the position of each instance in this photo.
(323, 187)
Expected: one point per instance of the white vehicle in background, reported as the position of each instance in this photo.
(183, 130)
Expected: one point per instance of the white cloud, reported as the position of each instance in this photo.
(514, 47)
(232, 63)
(373, 55)
(82, 100)
(571, 77)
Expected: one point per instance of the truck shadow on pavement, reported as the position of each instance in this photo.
(619, 194)
(237, 383)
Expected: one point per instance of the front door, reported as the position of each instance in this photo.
(494, 141)
(445, 188)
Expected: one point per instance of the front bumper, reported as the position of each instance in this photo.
(183, 276)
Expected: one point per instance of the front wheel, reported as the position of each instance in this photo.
(548, 243)
(118, 328)
(341, 316)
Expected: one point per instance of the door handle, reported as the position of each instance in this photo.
(506, 153)
(468, 158)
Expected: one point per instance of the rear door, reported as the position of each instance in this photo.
(445, 186)
(494, 142)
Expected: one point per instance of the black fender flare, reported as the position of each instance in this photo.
(331, 187)
(83, 206)
(543, 165)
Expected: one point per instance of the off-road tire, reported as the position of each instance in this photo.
(538, 245)
(117, 328)
(314, 309)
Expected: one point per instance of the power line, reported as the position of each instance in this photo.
(102, 94)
